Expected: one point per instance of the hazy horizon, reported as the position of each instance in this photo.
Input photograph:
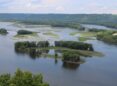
(59, 6)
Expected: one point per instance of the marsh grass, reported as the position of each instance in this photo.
(81, 52)
(34, 34)
(51, 34)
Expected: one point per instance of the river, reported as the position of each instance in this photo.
(96, 71)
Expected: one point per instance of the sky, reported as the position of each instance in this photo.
(59, 6)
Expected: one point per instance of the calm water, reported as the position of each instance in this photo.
(98, 27)
(96, 71)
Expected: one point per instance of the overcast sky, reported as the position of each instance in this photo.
(58, 6)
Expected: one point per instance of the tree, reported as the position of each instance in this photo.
(21, 78)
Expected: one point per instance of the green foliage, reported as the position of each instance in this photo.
(82, 39)
(30, 48)
(21, 78)
(96, 30)
(62, 19)
(108, 37)
(71, 56)
(24, 32)
(33, 44)
(3, 31)
(74, 45)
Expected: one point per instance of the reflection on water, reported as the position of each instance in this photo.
(70, 65)
(90, 26)
(36, 54)
(33, 53)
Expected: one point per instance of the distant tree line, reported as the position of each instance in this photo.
(109, 20)
(96, 30)
(74, 45)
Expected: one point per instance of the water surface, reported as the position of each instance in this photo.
(96, 71)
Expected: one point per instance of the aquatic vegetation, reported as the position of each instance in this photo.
(84, 34)
(74, 33)
(51, 34)
(25, 34)
(82, 39)
(87, 34)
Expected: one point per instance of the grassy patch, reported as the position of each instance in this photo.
(87, 34)
(81, 52)
(74, 33)
(109, 37)
(82, 39)
(84, 34)
(51, 34)
(34, 34)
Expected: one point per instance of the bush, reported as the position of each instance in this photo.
(3, 31)
(73, 57)
(21, 78)
(24, 32)
(108, 37)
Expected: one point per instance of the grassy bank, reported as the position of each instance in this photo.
(81, 52)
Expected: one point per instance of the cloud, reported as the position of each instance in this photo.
(58, 6)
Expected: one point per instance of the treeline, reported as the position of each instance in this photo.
(74, 45)
(56, 24)
(31, 48)
(3, 31)
(21, 78)
(28, 44)
(60, 19)
(96, 30)
(44, 44)
(24, 32)
(69, 25)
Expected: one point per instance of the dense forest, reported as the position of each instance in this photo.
(62, 19)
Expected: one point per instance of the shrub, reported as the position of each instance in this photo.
(24, 32)
(73, 57)
(3, 31)
(21, 78)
